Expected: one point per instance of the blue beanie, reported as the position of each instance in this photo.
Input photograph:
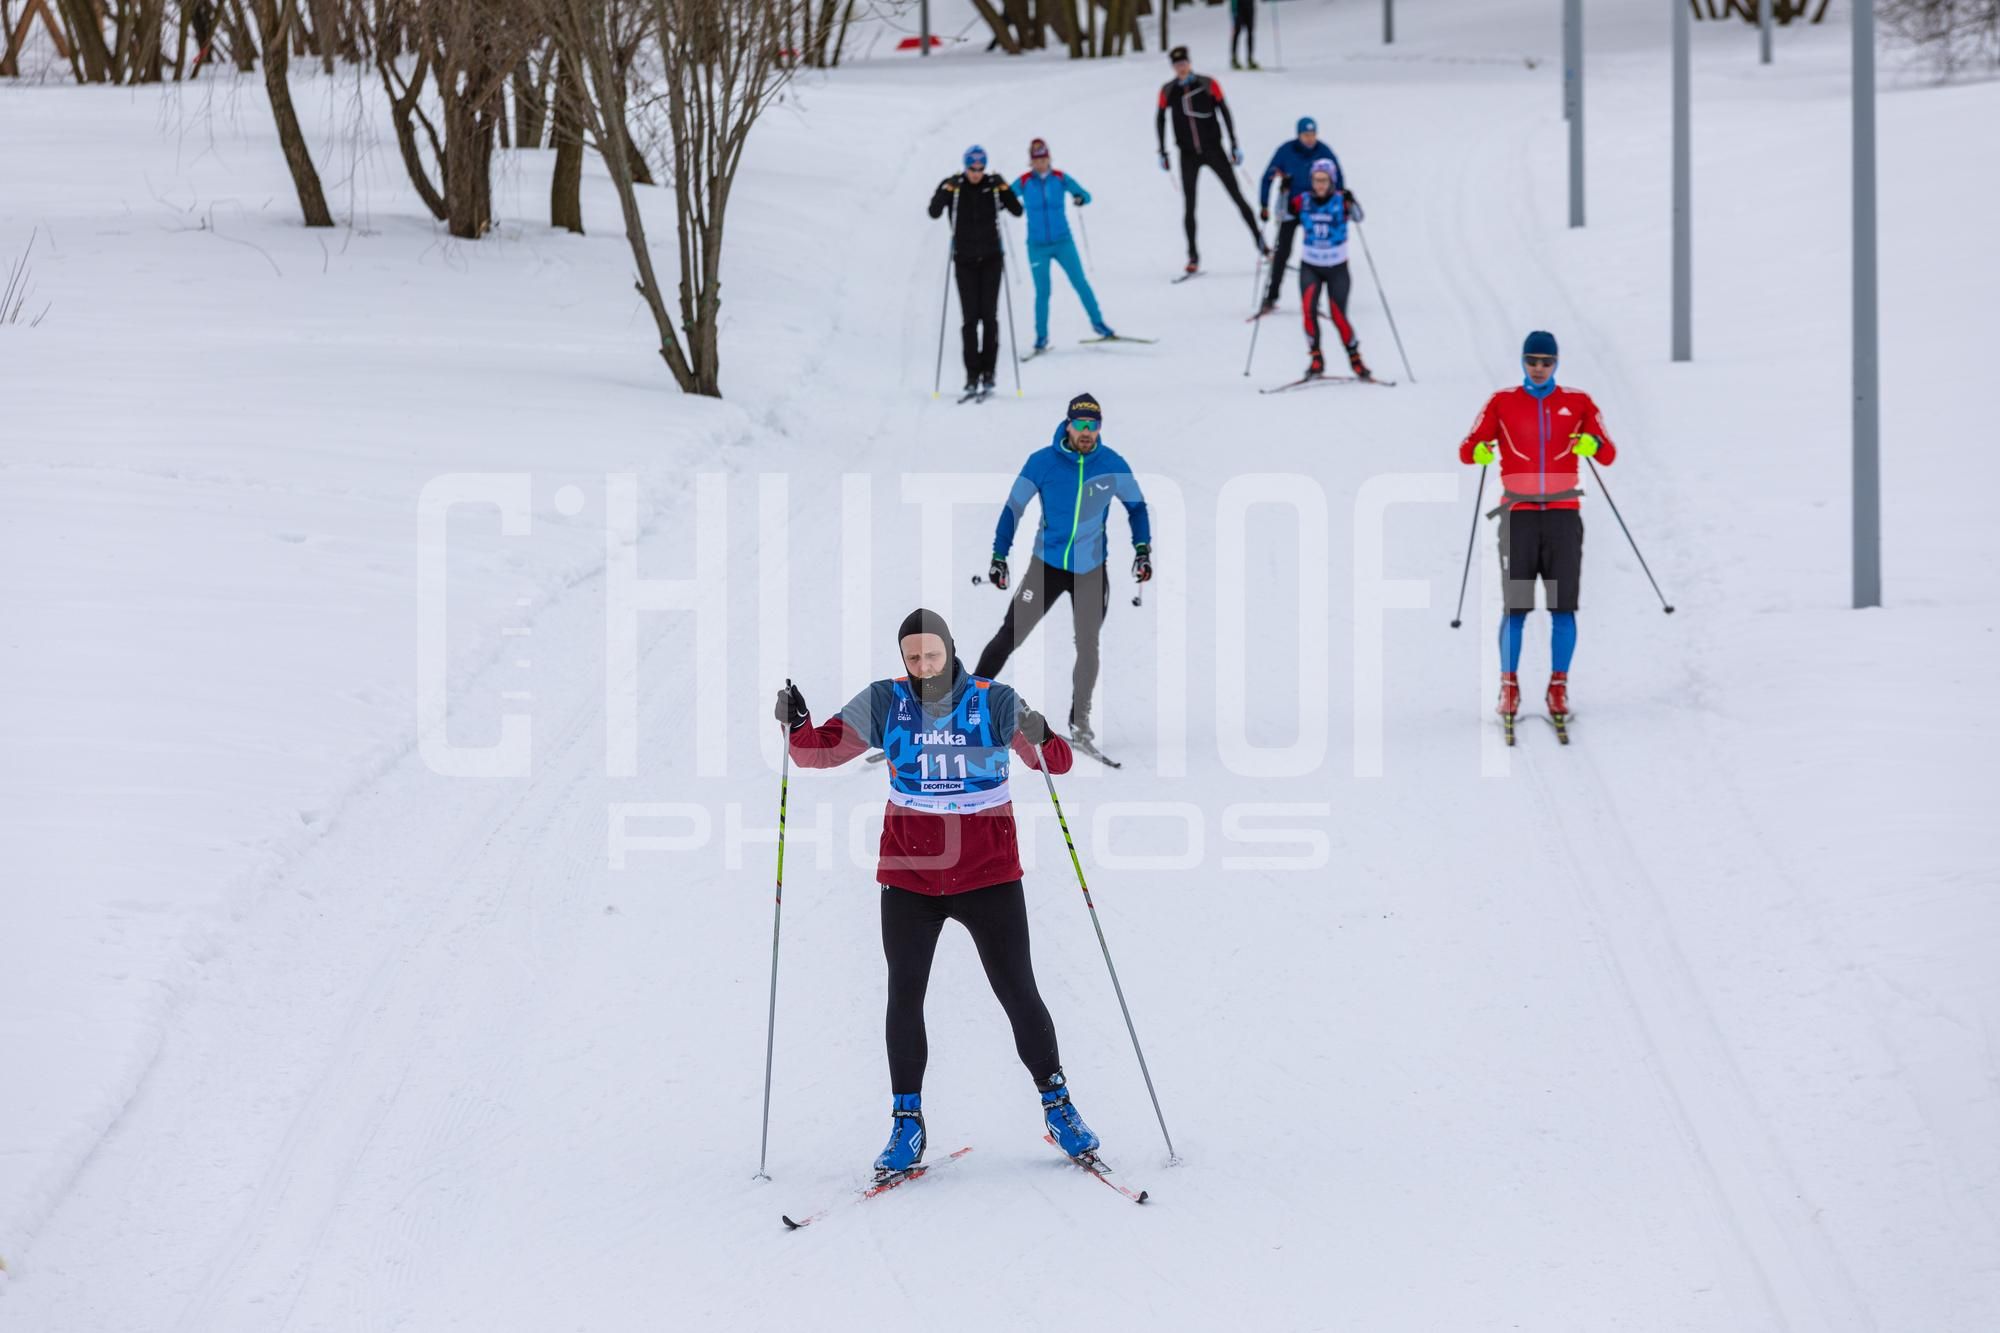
(1539, 343)
(1308, 123)
(975, 154)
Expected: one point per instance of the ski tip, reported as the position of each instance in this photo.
(790, 1225)
(1143, 1196)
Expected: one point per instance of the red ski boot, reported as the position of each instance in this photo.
(1318, 366)
(1558, 696)
(1356, 364)
(1510, 702)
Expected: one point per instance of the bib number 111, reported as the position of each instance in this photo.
(942, 763)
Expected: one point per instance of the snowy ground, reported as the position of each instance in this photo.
(1689, 1026)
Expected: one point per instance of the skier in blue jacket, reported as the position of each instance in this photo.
(1044, 191)
(1077, 478)
(1291, 171)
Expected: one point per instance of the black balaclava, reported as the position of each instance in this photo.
(938, 687)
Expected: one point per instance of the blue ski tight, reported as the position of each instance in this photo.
(1562, 639)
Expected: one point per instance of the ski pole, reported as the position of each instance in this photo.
(1013, 348)
(1084, 228)
(1665, 605)
(1173, 1158)
(1256, 322)
(1385, 301)
(1277, 41)
(1470, 538)
(777, 917)
(944, 306)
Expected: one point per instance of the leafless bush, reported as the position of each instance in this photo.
(1953, 36)
(707, 69)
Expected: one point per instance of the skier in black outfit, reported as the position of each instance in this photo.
(975, 199)
(1243, 24)
(1195, 102)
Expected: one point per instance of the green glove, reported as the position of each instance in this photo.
(1584, 446)
(1482, 452)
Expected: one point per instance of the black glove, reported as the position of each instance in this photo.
(1354, 206)
(791, 708)
(1032, 726)
(1142, 562)
(996, 573)
(1163, 161)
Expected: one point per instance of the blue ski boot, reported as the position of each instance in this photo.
(906, 1135)
(1103, 330)
(1071, 1134)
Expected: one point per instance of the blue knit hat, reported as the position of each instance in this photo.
(1539, 343)
(1308, 123)
(975, 156)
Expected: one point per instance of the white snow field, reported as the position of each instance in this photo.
(1688, 1026)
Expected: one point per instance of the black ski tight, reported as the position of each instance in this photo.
(979, 303)
(997, 920)
(1217, 161)
(1090, 601)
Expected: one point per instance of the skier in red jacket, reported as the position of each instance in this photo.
(1536, 432)
(949, 853)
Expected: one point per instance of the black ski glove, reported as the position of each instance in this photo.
(996, 573)
(1032, 725)
(1142, 562)
(791, 708)
(1354, 206)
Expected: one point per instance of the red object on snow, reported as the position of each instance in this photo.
(913, 43)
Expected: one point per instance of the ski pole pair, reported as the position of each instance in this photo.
(1473, 536)
(777, 917)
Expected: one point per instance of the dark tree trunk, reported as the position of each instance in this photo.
(566, 186)
(86, 39)
(275, 24)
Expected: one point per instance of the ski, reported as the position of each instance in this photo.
(1090, 748)
(971, 396)
(1507, 725)
(1262, 311)
(881, 1185)
(1120, 338)
(1185, 276)
(1098, 1167)
(1040, 351)
(1303, 381)
(1560, 721)
(877, 756)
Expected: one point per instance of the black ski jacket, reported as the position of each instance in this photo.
(975, 211)
(1195, 106)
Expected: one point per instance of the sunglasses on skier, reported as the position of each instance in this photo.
(976, 164)
(1085, 423)
(1538, 361)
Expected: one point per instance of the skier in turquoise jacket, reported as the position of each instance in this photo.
(1044, 191)
(1077, 477)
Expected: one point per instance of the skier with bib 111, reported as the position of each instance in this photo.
(1537, 431)
(1194, 103)
(1043, 191)
(1077, 477)
(1322, 216)
(949, 853)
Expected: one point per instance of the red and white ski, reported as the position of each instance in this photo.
(874, 1189)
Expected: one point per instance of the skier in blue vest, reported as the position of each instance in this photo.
(1291, 170)
(1077, 477)
(1322, 215)
(1044, 191)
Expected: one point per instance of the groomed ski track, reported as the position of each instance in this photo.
(1555, 1039)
